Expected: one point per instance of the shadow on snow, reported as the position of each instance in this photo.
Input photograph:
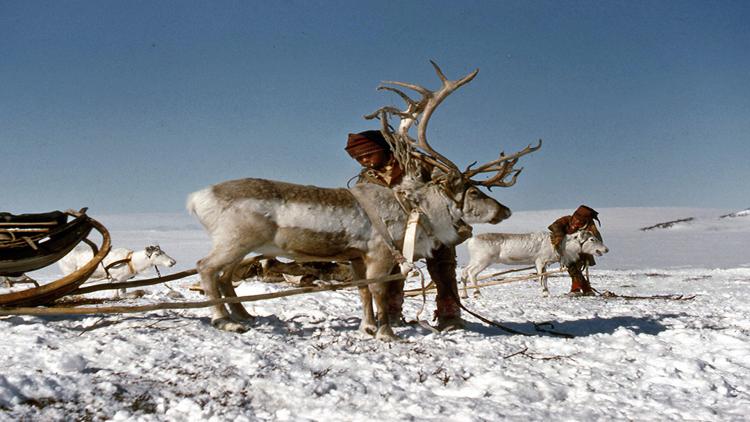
(580, 328)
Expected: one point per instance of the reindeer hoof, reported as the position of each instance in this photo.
(545, 293)
(366, 328)
(385, 333)
(477, 293)
(225, 324)
(397, 320)
(241, 315)
(246, 319)
(451, 324)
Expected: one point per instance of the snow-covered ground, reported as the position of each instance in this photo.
(305, 360)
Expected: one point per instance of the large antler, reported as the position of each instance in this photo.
(503, 167)
(430, 101)
(407, 149)
(420, 110)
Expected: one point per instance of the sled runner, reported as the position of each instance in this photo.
(29, 242)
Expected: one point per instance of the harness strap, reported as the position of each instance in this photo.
(410, 236)
(408, 207)
(126, 260)
(378, 224)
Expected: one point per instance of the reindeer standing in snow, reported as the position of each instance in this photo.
(525, 249)
(120, 264)
(364, 225)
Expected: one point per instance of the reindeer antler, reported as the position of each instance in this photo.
(407, 149)
(431, 101)
(420, 110)
(503, 166)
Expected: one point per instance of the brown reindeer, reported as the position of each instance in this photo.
(309, 223)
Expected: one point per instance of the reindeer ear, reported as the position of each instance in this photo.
(150, 250)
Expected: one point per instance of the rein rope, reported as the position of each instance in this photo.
(607, 294)
(612, 295)
(538, 326)
(422, 323)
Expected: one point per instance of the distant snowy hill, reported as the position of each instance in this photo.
(681, 221)
(668, 224)
(743, 213)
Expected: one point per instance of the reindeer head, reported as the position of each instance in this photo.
(586, 242)
(468, 201)
(589, 243)
(158, 257)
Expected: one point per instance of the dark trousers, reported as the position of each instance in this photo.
(579, 283)
(442, 269)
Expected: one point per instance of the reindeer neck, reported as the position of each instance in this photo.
(139, 261)
(441, 213)
(571, 250)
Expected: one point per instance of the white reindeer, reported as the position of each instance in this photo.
(127, 263)
(526, 249)
(312, 223)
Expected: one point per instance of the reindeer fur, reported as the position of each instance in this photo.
(526, 249)
(140, 261)
(309, 223)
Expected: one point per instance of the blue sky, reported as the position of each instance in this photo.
(129, 106)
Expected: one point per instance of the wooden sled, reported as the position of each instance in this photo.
(29, 242)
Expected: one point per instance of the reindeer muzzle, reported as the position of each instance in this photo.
(501, 215)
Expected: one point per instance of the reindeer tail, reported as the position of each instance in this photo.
(203, 205)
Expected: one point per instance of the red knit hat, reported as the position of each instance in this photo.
(367, 142)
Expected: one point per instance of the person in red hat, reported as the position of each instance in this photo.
(372, 151)
(582, 218)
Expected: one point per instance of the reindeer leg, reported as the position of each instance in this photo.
(368, 324)
(237, 311)
(474, 270)
(380, 293)
(395, 300)
(464, 281)
(209, 268)
(540, 269)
